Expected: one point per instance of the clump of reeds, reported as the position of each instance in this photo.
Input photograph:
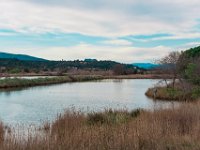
(1, 133)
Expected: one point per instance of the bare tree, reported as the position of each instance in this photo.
(170, 65)
(119, 69)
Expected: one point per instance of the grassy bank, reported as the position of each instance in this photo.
(140, 76)
(164, 93)
(171, 129)
(175, 94)
(17, 82)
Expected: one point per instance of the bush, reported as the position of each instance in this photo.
(15, 71)
(112, 117)
(196, 93)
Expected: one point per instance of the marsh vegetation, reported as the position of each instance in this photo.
(169, 129)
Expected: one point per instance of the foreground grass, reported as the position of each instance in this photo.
(1, 133)
(171, 129)
(19, 82)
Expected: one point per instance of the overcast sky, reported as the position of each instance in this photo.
(121, 30)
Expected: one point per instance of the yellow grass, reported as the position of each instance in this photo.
(171, 129)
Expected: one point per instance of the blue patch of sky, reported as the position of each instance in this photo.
(197, 26)
(168, 43)
(150, 41)
(13, 39)
(7, 31)
(47, 39)
(151, 36)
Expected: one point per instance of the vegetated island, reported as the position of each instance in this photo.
(184, 68)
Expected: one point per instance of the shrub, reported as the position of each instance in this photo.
(112, 117)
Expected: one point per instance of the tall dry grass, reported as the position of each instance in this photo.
(171, 129)
(1, 133)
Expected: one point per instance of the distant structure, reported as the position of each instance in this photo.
(90, 60)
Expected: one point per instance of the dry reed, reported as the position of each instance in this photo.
(170, 129)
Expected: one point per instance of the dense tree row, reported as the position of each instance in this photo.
(14, 66)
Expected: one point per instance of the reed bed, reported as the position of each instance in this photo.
(170, 129)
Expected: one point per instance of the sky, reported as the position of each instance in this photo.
(126, 31)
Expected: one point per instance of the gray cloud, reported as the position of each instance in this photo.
(107, 18)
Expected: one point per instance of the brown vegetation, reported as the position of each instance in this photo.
(1, 133)
(171, 129)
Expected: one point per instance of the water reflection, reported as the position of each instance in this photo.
(37, 104)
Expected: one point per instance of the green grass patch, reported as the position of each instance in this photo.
(112, 117)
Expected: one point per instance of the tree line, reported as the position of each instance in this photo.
(15, 66)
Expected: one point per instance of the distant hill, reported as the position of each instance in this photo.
(19, 57)
(145, 65)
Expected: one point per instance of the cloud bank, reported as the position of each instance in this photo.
(110, 28)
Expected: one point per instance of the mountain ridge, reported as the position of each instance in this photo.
(24, 57)
(145, 65)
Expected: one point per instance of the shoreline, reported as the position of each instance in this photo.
(133, 76)
(139, 76)
(170, 94)
(12, 83)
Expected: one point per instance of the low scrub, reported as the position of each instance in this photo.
(112, 116)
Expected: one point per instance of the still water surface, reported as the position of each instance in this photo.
(38, 104)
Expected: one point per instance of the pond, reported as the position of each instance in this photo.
(43, 103)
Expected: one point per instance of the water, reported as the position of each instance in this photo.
(38, 104)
